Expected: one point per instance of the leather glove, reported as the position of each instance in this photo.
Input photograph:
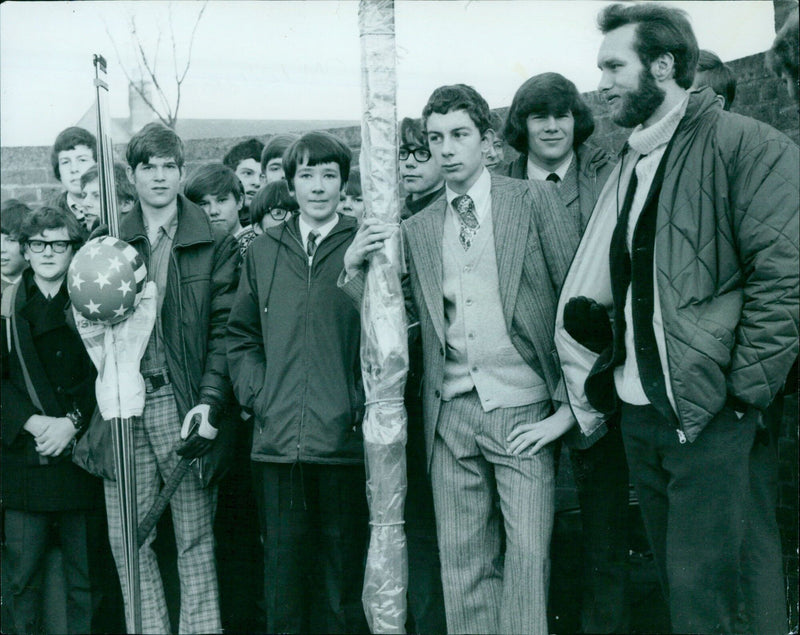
(587, 322)
(199, 431)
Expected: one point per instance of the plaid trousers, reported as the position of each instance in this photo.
(156, 435)
(477, 485)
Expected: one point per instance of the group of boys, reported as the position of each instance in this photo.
(643, 309)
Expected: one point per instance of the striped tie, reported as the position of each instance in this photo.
(311, 245)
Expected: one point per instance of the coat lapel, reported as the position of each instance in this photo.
(27, 349)
(568, 191)
(511, 228)
(424, 233)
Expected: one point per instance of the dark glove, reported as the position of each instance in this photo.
(587, 322)
(199, 430)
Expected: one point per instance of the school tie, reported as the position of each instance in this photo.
(311, 245)
(553, 178)
(469, 222)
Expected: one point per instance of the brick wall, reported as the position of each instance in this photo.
(27, 174)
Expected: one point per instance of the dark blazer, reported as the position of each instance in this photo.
(534, 242)
(63, 376)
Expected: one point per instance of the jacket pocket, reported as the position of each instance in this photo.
(714, 341)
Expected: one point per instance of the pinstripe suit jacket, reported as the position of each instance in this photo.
(534, 239)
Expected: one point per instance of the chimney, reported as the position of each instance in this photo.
(140, 112)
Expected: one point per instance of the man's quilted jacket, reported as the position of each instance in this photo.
(726, 260)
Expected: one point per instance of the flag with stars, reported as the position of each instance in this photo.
(117, 350)
(106, 279)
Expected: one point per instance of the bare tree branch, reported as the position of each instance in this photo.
(151, 72)
(191, 41)
(148, 68)
(179, 81)
(136, 84)
(172, 36)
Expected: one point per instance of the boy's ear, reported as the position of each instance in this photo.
(487, 139)
(131, 177)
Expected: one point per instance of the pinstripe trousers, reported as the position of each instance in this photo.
(486, 590)
(156, 435)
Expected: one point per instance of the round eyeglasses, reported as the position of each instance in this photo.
(420, 154)
(278, 213)
(58, 246)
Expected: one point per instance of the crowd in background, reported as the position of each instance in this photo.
(258, 261)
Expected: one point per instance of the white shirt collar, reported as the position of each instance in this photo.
(536, 173)
(323, 231)
(10, 280)
(480, 193)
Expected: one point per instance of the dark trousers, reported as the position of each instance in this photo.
(601, 475)
(314, 522)
(694, 500)
(425, 595)
(27, 537)
(762, 559)
(240, 556)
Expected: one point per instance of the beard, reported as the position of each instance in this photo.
(638, 105)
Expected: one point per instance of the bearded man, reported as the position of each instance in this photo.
(700, 220)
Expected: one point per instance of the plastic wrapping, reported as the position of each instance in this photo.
(117, 352)
(384, 346)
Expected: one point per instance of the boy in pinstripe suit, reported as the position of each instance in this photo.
(485, 264)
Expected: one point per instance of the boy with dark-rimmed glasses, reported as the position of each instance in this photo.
(421, 178)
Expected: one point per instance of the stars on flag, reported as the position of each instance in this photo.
(115, 264)
(102, 279)
(77, 281)
(91, 307)
(106, 273)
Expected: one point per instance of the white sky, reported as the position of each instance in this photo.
(301, 60)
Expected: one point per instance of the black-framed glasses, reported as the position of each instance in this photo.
(58, 246)
(420, 154)
(278, 213)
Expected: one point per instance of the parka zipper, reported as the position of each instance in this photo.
(305, 341)
(681, 434)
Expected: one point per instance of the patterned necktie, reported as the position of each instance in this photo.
(469, 221)
(553, 178)
(311, 245)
